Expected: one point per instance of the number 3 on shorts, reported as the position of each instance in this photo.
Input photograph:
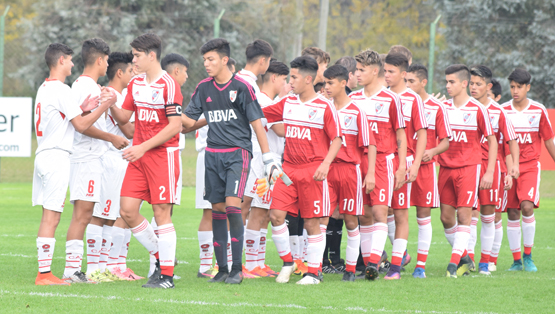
(317, 206)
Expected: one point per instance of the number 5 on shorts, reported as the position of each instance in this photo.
(317, 206)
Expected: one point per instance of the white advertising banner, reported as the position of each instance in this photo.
(16, 123)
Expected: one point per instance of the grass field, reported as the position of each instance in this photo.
(504, 292)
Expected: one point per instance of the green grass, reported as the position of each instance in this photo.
(504, 292)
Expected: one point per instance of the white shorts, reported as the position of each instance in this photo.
(85, 181)
(256, 172)
(200, 202)
(50, 179)
(113, 171)
(179, 182)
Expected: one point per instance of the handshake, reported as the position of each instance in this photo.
(272, 172)
(106, 96)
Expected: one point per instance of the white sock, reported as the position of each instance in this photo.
(487, 234)
(391, 228)
(144, 233)
(206, 250)
(45, 248)
(152, 258)
(424, 240)
(379, 237)
(473, 236)
(305, 245)
(399, 248)
(118, 236)
(323, 230)
(513, 235)
(167, 244)
(365, 235)
(461, 240)
(353, 246)
(315, 251)
(280, 236)
(229, 254)
(295, 246)
(74, 255)
(528, 230)
(450, 234)
(497, 239)
(262, 248)
(94, 245)
(252, 240)
(106, 245)
(122, 261)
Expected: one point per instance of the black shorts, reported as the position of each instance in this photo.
(226, 172)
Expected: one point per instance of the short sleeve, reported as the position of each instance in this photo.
(506, 127)
(417, 114)
(194, 109)
(484, 124)
(396, 117)
(249, 103)
(365, 137)
(274, 112)
(331, 122)
(128, 102)
(68, 104)
(443, 128)
(546, 132)
(173, 92)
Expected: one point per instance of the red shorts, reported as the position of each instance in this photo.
(153, 177)
(458, 187)
(526, 187)
(306, 196)
(502, 208)
(385, 180)
(424, 188)
(345, 183)
(493, 195)
(401, 197)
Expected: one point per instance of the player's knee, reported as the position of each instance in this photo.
(351, 225)
(527, 208)
(276, 219)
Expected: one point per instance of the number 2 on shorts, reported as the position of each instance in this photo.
(162, 191)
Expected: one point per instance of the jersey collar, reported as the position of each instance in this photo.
(248, 73)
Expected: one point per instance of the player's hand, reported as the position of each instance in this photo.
(487, 181)
(515, 172)
(399, 178)
(272, 168)
(90, 103)
(322, 171)
(119, 142)
(508, 183)
(412, 172)
(440, 97)
(262, 187)
(108, 96)
(428, 155)
(285, 90)
(133, 153)
(369, 182)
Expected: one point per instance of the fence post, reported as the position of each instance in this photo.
(432, 54)
(2, 20)
(217, 24)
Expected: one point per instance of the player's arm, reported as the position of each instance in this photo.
(279, 129)
(402, 153)
(515, 156)
(128, 129)
(190, 125)
(121, 116)
(82, 122)
(261, 135)
(322, 171)
(550, 146)
(440, 148)
(421, 141)
(116, 140)
(487, 179)
(370, 179)
(135, 152)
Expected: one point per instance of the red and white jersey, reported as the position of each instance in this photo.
(54, 109)
(413, 112)
(275, 142)
(503, 130)
(86, 148)
(469, 123)
(112, 125)
(149, 102)
(356, 134)
(201, 135)
(249, 77)
(438, 124)
(531, 126)
(385, 115)
(309, 127)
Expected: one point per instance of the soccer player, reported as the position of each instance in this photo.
(385, 115)
(87, 166)
(153, 171)
(532, 125)
(399, 49)
(323, 59)
(424, 189)
(230, 105)
(231, 65)
(480, 82)
(459, 175)
(351, 65)
(495, 91)
(56, 120)
(311, 123)
(395, 68)
(345, 177)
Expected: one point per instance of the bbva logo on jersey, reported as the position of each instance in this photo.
(458, 136)
(219, 115)
(298, 132)
(148, 115)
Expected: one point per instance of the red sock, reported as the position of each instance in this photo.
(167, 270)
(517, 256)
(395, 260)
(527, 250)
(421, 260)
(374, 258)
(287, 258)
(351, 268)
(471, 256)
(493, 259)
(366, 260)
(313, 270)
(455, 258)
(485, 258)
(156, 255)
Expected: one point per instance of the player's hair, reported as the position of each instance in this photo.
(219, 45)
(481, 71)
(402, 50)
(54, 52)
(521, 76)
(92, 49)
(258, 49)
(338, 72)
(397, 60)
(369, 57)
(317, 54)
(419, 70)
(306, 66)
(381, 73)
(318, 86)
(496, 87)
(173, 59)
(148, 42)
(275, 67)
(230, 63)
(461, 70)
(348, 62)
(116, 61)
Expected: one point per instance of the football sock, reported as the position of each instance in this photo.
(280, 236)
(366, 242)
(353, 245)
(399, 248)
(152, 257)
(487, 234)
(323, 231)
(219, 230)
(74, 255)
(166, 245)
(315, 250)
(229, 255)
(528, 233)
(45, 248)
(379, 237)
(391, 228)
(473, 237)
(252, 241)
(335, 244)
(424, 240)
(327, 231)
(295, 246)
(497, 242)
(305, 245)
(144, 233)
(106, 245)
(460, 244)
(206, 250)
(262, 248)
(118, 235)
(513, 235)
(94, 245)
(237, 233)
(450, 234)
(122, 261)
